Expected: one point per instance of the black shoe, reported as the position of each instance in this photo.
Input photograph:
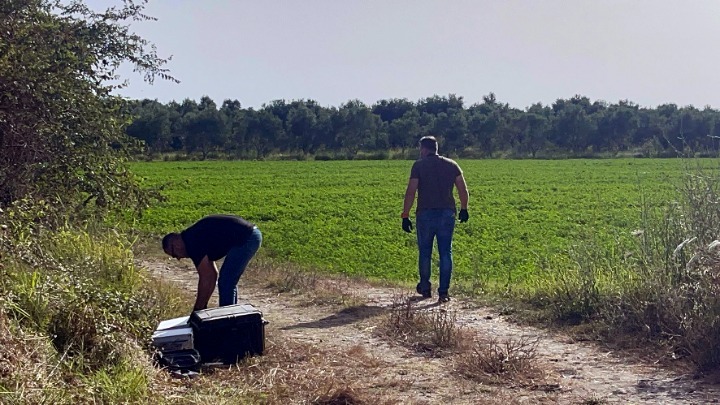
(425, 294)
(444, 298)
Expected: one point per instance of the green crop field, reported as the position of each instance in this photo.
(344, 216)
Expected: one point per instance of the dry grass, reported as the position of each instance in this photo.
(592, 401)
(291, 372)
(435, 332)
(496, 362)
(430, 331)
(24, 360)
(317, 290)
(344, 396)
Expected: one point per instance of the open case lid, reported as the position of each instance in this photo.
(181, 322)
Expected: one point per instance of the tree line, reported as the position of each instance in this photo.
(568, 127)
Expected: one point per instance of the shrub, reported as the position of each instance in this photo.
(493, 361)
(425, 331)
(63, 138)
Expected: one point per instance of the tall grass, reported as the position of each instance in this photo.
(664, 288)
(75, 317)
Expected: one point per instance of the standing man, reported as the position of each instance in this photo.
(208, 240)
(433, 178)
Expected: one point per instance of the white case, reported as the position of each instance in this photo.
(178, 338)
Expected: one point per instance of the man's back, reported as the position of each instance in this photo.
(214, 235)
(436, 177)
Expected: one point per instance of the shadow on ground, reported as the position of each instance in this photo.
(346, 316)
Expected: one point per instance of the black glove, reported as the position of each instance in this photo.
(463, 216)
(407, 225)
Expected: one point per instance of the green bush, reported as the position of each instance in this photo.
(63, 130)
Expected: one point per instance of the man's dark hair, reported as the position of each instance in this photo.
(168, 239)
(429, 143)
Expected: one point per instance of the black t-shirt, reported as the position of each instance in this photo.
(214, 236)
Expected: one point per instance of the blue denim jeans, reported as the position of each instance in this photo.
(432, 224)
(234, 266)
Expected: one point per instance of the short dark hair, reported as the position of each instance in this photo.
(429, 143)
(168, 239)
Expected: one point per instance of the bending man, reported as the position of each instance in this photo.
(208, 240)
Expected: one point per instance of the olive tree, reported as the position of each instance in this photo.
(62, 136)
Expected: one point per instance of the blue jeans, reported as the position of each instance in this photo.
(431, 224)
(234, 266)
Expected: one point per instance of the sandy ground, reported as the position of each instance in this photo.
(573, 372)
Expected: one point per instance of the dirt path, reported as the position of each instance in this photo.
(575, 372)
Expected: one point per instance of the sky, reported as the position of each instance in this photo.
(649, 52)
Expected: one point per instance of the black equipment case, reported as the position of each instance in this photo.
(228, 333)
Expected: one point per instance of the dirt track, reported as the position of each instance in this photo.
(575, 372)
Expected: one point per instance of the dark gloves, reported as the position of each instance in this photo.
(407, 225)
(463, 216)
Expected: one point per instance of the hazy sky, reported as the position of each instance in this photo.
(646, 51)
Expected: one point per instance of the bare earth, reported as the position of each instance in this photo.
(574, 372)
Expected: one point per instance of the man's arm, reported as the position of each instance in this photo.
(409, 196)
(207, 277)
(462, 191)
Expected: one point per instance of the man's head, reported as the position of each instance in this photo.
(174, 245)
(428, 146)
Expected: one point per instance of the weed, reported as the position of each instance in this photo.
(663, 289)
(119, 383)
(431, 332)
(495, 362)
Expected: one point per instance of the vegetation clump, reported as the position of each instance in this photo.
(664, 291)
(62, 142)
(75, 313)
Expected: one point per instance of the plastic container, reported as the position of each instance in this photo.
(228, 333)
(178, 338)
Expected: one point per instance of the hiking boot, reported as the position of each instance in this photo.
(444, 298)
(424, 293)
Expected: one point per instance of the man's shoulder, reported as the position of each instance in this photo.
(431, 162)
(447, 159)
(416, 165)
(450, 161)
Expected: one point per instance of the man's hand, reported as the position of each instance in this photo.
(407, 225)
(463, 216)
